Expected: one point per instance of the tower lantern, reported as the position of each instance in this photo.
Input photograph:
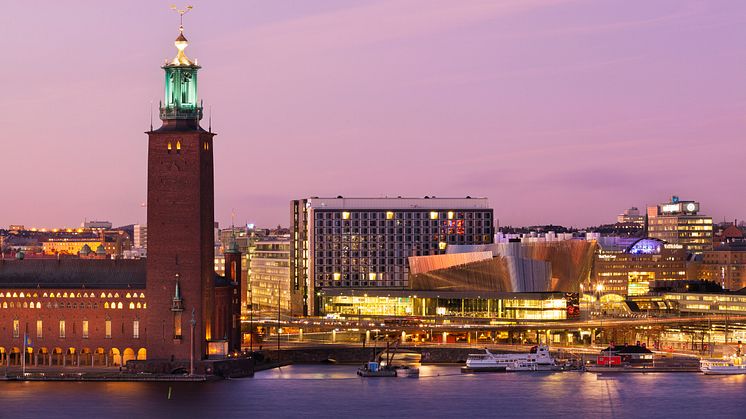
(180, 98)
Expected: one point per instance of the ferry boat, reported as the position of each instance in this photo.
(727, 366)
(538, 358)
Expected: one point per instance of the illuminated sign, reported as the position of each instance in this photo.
(671, 208)
(691, 207)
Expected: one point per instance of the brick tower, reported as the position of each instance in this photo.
(180, 267)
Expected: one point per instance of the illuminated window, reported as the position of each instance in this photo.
(345, 215)
(128, 295)
(16, 328)
(336, 276)
(433, 215)
(85, 329)
(119, 305)
(39, 329)
(132, 306)
(106, 305)
(62, 329)
(178, 147)
(139, 305)
(136, 329)
(450, 215)
(107, 330)
(169, 148)
(442, 245)
(389, 215)
(177, 325)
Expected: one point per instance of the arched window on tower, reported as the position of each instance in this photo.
(178, 147)
(169, 148)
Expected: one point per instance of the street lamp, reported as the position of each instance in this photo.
(193, 323)
(599, 290)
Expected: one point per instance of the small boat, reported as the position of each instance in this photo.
(732, 365)
(374, 369)
(407, 371)
(537, 359)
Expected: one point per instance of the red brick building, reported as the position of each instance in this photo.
(169, 307)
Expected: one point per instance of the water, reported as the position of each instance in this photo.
(335, 391)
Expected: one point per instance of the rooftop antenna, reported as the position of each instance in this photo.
(151, 115)
(209, 123)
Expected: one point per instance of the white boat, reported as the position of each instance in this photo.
(538, 358)
(727, 366)
(401, 358)
(407, 372)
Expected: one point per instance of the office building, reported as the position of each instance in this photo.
(679, 222)
(631, 216)
(140, 236)
(270, 275)
(725, 265)
(632, 269)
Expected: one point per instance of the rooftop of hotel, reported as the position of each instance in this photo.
(388, 203)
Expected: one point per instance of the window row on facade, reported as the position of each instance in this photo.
(28, 294)
(63, 326)
(114, 305)
(402, 215)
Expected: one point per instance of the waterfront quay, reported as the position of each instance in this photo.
(713, 335)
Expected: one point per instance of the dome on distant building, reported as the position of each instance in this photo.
(85, 250)
(100, 250)
(646, 246)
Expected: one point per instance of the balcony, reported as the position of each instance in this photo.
(181, 113)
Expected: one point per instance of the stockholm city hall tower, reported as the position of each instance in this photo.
(180, 268)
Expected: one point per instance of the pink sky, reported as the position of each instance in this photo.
(562, 112)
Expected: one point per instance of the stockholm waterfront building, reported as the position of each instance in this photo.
(363, 243)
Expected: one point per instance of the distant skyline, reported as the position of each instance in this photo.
(560, 112)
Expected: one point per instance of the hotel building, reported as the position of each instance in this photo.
(364, 243)
(679, 222)
(631, 270)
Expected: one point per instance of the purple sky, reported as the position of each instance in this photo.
(562, 112)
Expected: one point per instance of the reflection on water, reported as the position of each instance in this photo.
(335, 391)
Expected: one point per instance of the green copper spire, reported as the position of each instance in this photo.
(180, 101)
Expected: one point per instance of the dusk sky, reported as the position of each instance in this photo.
(563, 112)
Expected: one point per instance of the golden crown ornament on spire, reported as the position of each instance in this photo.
(181, 42)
